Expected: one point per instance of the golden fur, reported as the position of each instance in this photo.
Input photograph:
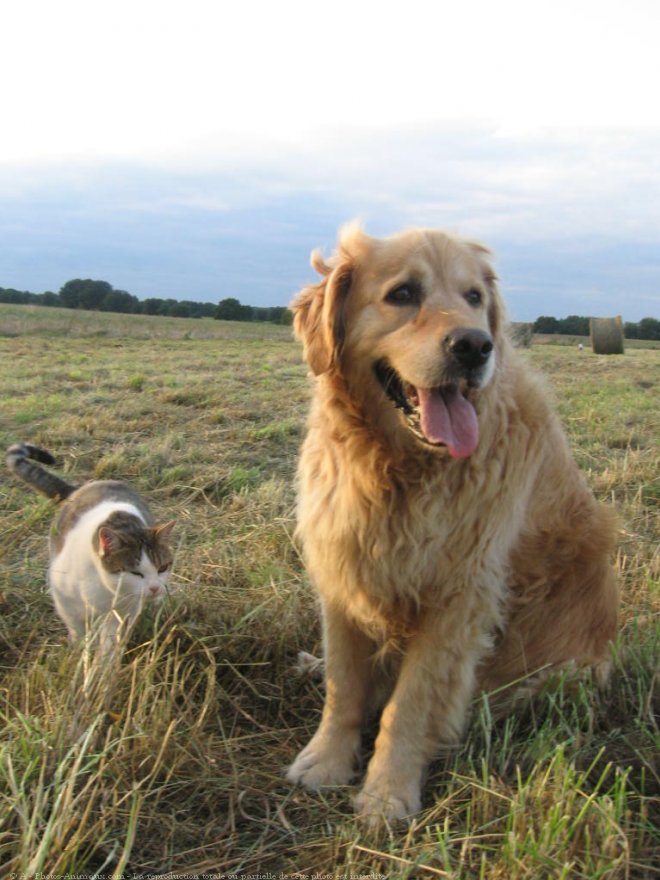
(440, 574)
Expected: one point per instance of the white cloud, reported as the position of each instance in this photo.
(573, 219)
(248, 132)
(161, 79)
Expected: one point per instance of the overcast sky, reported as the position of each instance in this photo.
(200, 149)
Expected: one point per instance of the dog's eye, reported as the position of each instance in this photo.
(473, 297)
(408, 294)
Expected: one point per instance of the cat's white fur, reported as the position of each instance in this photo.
(92, 600)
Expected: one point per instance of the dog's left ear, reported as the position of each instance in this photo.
(319, 313)
(496, 309)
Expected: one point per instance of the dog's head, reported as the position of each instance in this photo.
(412, 324)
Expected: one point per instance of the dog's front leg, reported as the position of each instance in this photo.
(330, 756)
(428, 707)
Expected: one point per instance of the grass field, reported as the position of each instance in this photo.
(176, 764)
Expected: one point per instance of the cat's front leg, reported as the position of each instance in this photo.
(112, 633)
(107, 636)
(69, 612)
(330, 756)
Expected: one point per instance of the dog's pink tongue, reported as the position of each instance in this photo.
(447, 417)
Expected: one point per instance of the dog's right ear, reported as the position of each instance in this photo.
(319, 313)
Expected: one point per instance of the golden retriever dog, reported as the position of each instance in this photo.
(453, 543)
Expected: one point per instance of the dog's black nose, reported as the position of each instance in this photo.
(470, 348)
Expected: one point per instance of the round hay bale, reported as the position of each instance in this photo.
(606, 335)
(522, 334)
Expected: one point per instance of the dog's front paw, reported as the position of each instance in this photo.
(322, 763)
(380, 801)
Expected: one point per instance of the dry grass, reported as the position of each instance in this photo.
(174, 763)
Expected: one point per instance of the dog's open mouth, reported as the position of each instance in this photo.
(440, 416)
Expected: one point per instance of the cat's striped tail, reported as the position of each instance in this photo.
(20, 458)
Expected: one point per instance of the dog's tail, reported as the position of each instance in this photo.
(20, 458)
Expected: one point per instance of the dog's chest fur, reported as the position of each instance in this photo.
(395, 550)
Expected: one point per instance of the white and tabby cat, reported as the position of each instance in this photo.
(107, 555)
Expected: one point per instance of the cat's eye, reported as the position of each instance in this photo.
(163, 568)
(138, 574)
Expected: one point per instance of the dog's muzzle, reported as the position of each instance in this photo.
(441, 415)
(469, 350)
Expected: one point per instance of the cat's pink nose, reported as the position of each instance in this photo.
(155, 589)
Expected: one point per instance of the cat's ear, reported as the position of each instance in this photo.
(109, 541)
(164, 531)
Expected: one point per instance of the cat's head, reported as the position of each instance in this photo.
(134, 556)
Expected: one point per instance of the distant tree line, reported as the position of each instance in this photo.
(648, 328)
(232, 309)
(84, 293)
(576, 325)
(100, 296)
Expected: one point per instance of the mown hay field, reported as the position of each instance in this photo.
(175, 765)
